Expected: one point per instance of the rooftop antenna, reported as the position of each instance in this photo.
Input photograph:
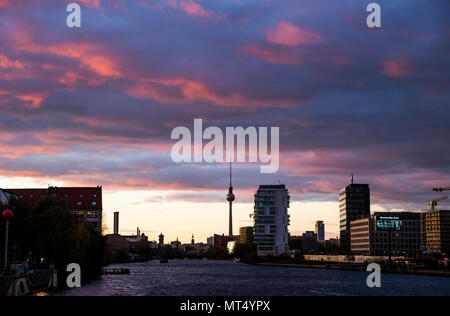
(352, 177)
(230, 176)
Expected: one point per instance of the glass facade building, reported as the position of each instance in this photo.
(354, 203)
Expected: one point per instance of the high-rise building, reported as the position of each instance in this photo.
(368, 239)
(354, 203)
(320, 230)
(161, 239)
(437, 231)
(84, 203)
(230, 199)
(246, 235)
(271, 220)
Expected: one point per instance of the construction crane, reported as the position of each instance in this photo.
(434, 203)
(441, 189)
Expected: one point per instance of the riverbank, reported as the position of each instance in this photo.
(352, 267)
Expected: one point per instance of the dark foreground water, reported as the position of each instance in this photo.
(218, 278)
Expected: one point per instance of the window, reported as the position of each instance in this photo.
(92, 214)
(78, 213)
(94, 203)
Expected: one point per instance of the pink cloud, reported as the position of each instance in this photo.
(32, 100)
(5, 63)
(273, 55)
(191, 8)
(397, 68)
(5, 3)
(185, 90)
(86, 53)
(287, 34)
(90, 3)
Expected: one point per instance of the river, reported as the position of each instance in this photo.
(226, 278)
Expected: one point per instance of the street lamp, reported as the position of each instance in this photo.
(7, 216)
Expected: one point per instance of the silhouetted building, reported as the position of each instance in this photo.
(116, 223)
(221, 241)
(437, 231)
(175, 244)
(296, 242)
(271, 220)
(84, 203)
(368, 239)
(320, 230)
(354, 203)
(161, 240)
(310, 244)
(246, 235)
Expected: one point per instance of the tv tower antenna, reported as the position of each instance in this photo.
(230, 199)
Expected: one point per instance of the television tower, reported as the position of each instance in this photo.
(230, 199)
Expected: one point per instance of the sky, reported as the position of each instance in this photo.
(96, 105)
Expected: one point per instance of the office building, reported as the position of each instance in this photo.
(246, 235)
(437, 231)
(85, 204)
(354, 203)
(271, 220)
(370, 240)
(320, 230)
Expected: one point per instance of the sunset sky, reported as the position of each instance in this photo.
(96, 105)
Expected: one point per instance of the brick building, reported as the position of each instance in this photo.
(85, 203)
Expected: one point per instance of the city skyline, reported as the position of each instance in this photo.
(96, 106)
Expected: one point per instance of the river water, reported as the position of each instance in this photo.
(226, 278)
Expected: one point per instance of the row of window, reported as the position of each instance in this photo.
(31, 196)
(88, 214)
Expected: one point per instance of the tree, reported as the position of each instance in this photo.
(246, 252)
(50, 232)
(52, 235)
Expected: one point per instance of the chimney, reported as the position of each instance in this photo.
(116, 223)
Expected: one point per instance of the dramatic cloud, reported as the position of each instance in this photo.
(97, 105)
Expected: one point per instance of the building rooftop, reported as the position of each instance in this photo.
(76, 197)
(272, 186)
